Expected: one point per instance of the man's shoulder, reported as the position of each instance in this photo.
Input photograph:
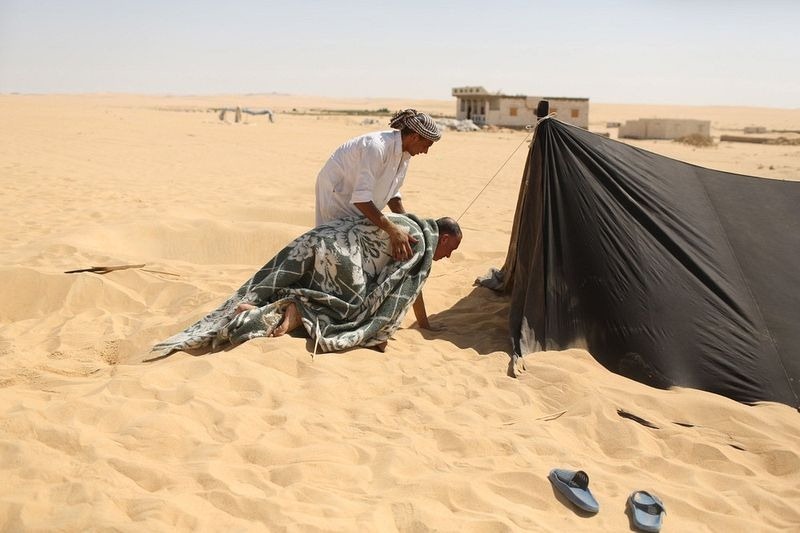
(378, 144)
(380, 138)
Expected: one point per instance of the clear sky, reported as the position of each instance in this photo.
(703, 52)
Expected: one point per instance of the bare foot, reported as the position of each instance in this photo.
(241, 308)
(291, 319)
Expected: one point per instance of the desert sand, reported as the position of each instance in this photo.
(431, 435)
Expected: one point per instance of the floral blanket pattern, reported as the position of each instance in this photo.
(347, 288)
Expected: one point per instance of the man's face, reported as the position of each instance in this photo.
(446, 245)
(417, 144)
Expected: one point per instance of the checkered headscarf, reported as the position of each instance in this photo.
(420, 123)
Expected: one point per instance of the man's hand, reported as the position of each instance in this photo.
(400, 242)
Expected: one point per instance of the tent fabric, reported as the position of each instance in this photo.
(668, 273)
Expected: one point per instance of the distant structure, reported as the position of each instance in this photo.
(495, 109)
(237, 112)
(663, 128)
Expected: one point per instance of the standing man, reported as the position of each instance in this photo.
(365, 174)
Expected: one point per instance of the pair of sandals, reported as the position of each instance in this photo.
(645, 510)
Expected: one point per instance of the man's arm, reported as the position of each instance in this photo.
(400, 240)
(422, 315)
(396, 205)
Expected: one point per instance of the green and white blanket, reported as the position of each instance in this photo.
(347, 288)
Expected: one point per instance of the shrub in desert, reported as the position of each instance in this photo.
(696, 139)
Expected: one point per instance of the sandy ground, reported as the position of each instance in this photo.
(431, 435)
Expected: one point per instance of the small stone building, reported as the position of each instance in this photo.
(485, 108)
(663, 128)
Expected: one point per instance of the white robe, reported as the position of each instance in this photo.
(371, 167)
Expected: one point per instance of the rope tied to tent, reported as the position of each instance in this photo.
(532, 131)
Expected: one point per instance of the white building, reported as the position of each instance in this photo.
(663, 128)
(484, 108)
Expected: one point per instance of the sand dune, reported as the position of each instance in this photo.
(431, 435)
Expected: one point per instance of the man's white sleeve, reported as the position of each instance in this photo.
(369, 167)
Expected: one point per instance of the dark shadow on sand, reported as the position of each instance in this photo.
(479, 321)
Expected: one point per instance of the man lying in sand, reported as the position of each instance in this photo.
(339, 281)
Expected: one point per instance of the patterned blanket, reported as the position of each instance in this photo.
(347, 288)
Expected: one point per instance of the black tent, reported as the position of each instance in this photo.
(668, 273)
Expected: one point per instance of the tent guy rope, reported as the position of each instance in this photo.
(495, 175)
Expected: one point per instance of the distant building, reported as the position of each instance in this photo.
(485, 108)
(663, 128)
